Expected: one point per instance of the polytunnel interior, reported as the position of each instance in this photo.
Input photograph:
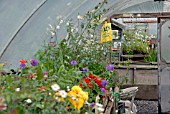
(23, 24)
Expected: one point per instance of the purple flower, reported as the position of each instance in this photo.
(34, 62)
(22, 65)
(104, 83)
(110, 67)
(92, 105)
(85, 69)
(103, 90)
(74, 62)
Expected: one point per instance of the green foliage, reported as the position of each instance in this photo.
(152, 56)
(135, 42)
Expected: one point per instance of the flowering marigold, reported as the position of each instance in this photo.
(77, 97)
(76, 89)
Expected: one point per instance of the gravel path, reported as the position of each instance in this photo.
(146, 107)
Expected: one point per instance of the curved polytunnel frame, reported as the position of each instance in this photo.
(24, 23)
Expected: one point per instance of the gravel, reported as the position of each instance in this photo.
(146, 107)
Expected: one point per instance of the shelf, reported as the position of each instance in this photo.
(133, 56)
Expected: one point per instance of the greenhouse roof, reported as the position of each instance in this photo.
(24, 22)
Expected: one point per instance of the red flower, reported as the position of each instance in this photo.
(90, 85)
(90, 76)
(88, 82)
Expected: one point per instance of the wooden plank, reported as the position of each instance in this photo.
(131, 56)
(140, 21)
(138, 66)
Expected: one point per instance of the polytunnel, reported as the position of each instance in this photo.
(24, 23)
(24, 29)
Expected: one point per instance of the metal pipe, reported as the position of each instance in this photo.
(159, 61)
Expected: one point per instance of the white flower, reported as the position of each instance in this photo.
(68, 87)
(63, 94)
(58, 27)
(49, 94)
(55, 87)
(17, 89)
(61, 21)
(28, 101)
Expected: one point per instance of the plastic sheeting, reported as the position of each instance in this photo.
(23, 23)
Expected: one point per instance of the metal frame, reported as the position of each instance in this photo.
(159, 66)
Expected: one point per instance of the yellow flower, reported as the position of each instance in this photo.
(79, 103)
(77, 97)
(76, 89)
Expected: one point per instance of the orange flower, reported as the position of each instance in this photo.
(22, 61)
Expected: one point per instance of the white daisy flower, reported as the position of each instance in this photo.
(63, 94)
(55, 87)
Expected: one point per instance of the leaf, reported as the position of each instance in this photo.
(39, 106)
(61, 69)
